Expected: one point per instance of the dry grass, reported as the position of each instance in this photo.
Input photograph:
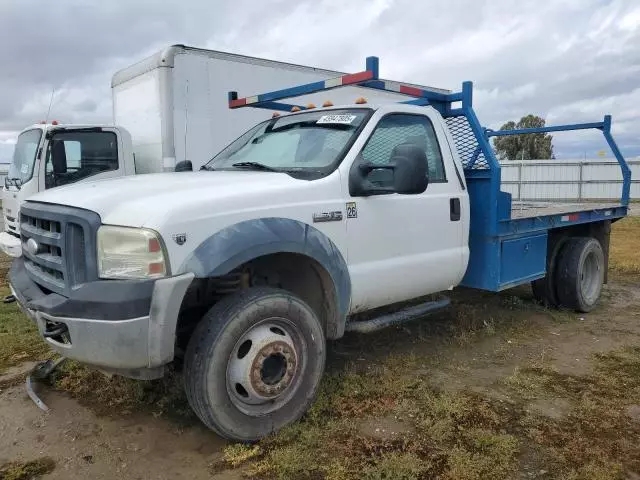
(19, 339)
(598, 439)
(625, 246)
(103, 392)
(27, 470)
(457, 436)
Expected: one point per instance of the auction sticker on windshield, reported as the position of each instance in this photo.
(342, 119)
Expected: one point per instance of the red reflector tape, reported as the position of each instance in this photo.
(357, 77)
(570, 218)
(415, 92)
(237, 103)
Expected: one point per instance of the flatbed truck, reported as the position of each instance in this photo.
(245, 267)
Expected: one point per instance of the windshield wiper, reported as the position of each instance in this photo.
(204, 167)
(255, 166)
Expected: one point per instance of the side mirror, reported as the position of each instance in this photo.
(408, 176)
(184, 166)
(58, 157)
(410, 173)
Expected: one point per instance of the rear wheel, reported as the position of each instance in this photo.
(254, 363)
(580, 274)
(544, 289)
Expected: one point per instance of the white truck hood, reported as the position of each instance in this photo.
(139, 200)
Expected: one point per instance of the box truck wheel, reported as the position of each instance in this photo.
(580, 273)
(254, 363)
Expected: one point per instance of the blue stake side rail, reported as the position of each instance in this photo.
(505, 251)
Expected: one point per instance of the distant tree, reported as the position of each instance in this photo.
(531, 146)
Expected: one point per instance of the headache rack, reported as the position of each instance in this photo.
(496, 228)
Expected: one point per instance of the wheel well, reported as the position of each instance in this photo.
(299, 274)
(302, 276)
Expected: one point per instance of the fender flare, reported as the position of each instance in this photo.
(237, 244)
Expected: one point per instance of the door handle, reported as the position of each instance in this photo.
(454, 209)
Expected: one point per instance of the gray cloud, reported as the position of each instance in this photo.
(567, 61)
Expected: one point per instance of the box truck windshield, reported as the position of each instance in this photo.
(24, 157)
(76, 154)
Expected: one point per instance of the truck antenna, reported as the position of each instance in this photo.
(53, 92)
(186, 116)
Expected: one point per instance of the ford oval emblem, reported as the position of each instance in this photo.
(32, 246)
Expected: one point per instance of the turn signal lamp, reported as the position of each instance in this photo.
(328, 103)
(295, 109)
(310, 106)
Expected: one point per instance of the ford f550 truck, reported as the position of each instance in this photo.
(167, 108)
(246, 267)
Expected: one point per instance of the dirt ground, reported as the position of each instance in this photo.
(484, 347)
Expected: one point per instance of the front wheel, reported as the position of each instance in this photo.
(580, 274)
(254, 363)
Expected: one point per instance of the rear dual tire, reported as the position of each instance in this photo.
(580, 274)
(576, 275)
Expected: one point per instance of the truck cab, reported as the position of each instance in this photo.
(53, 155)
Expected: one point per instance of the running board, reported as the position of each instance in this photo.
(395, 318)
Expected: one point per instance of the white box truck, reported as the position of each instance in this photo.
(169, 107)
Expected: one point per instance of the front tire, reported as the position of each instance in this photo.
(254, 363)
(580, 274)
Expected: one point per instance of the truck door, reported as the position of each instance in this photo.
(82, 154)
(405, 246)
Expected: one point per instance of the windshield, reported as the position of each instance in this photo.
(24, 156)
(305, 142)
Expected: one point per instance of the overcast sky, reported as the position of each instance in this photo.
(566, 61)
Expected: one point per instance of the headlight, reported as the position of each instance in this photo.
(125, 252)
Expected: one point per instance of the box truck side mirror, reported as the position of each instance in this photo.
(184, 166)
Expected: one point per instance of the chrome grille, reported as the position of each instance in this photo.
(46, 263)
(58, 245)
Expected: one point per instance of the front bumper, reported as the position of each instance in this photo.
(121, 326)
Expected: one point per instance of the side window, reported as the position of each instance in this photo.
(397, 129)
(72, 156)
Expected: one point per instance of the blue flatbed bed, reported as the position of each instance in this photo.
(511, 243)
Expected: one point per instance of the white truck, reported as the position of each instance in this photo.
(167, 108)
(245, 267)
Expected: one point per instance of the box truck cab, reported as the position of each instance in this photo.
(51, 155)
